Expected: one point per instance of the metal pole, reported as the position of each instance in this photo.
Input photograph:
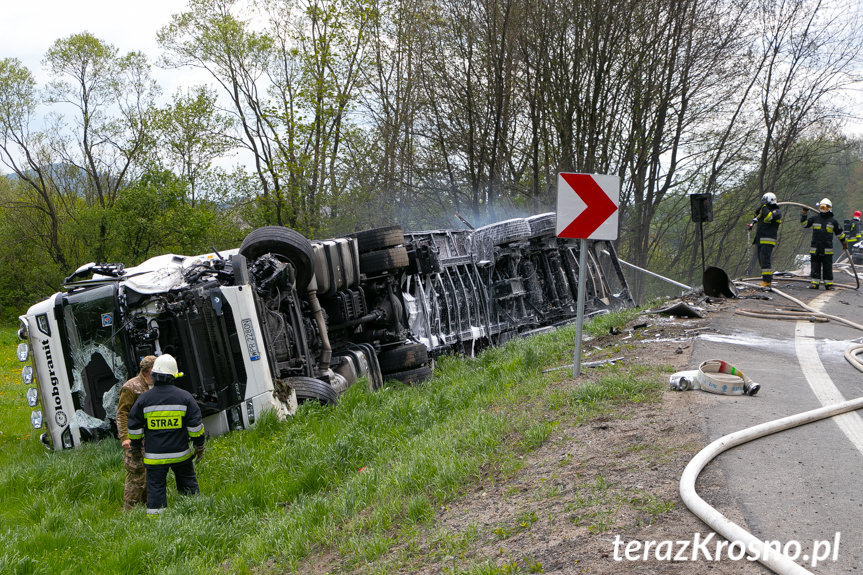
(648, 272)
(582, 279)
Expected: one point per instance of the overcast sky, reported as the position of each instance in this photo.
(29, 27)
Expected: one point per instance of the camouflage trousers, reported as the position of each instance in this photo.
(135, 489)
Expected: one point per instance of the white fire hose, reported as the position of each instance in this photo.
(715, 376)
(770, 557)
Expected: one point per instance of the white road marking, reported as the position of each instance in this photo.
(851, 424)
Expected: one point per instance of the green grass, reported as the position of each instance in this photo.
(282, 491)
(16, 433)
(600, 325)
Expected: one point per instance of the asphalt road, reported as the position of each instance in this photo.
(804, 484)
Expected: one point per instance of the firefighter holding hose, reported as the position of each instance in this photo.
(824, 227)
(855, 234)
(768, 217)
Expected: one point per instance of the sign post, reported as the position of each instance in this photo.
(586, 210)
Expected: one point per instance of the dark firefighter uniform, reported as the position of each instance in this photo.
(167, 417)
(768, 217)
(824, 227)
(855, 234)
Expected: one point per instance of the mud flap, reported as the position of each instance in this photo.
(717, 284)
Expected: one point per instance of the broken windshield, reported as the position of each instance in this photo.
(97, 368)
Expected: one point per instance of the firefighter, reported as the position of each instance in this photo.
(165, 418)
(135, 488)
(824, 226)
(855, 234)
(768, 217)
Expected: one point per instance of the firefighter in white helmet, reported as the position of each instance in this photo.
(166, 418)
(768, 217)
(824, 227)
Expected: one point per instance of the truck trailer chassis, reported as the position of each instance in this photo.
(281, 319)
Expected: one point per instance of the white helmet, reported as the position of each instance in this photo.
(166, 365)
(768, 198)
(825, 202)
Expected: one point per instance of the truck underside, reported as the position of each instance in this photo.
(281, 319)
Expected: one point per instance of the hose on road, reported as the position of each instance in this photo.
(767, 556)
(811, 311)
(764, 554)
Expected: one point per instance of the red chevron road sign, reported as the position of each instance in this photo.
(587, 206)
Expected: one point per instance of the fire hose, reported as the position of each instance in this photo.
(813, 315)
(755, 547)
(770, 557)
(810, 311)
(715, 376)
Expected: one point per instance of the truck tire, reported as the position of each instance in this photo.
(404, 357)
(410, 376)
(504, 232)
(311, 389)
(379, 238)
(542, 224)
(383, 260)
(283, 242)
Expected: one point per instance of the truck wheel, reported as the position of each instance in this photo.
(378, 238)
(542, 224)
(410, 376)
(283, 242)
(404, 357)
(504, 232)
(309, 388)
(383, 260)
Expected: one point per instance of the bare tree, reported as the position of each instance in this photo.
(193, 134)
(76, 165)
(290, 88)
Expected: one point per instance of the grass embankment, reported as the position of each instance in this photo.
(354, 479)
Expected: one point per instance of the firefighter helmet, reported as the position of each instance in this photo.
(825, 205)
(166, 365)
(857, 215)
(768, 198)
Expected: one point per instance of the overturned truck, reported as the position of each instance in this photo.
(282, 319)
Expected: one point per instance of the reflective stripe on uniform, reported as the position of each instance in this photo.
(196, 431)
(166, 458)
(135, 433)
(170, 407)
(768, 241)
